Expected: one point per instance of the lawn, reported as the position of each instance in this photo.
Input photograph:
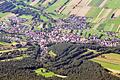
(113, 4)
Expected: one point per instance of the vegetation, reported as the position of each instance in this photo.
(44, 72)
(72, 63)
(108, 65)
(21, 49)
(109, 61)
(96, 2)
(113, 4)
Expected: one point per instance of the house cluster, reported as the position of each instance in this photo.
(57, 36)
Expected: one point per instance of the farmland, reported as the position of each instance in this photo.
(109, 61)
(59, 39)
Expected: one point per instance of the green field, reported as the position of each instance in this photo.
(115, 28)
(93, 12)
(56, 5)
(44, 72)
(110, 61)
(114, 4)
(108, 65)
(96, 2)
(16, 58)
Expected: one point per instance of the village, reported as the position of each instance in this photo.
(56, 34)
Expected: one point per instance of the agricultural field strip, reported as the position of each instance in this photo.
(113, 4)
(16, 58)
(103, 3)
(55, 5)
(114, 71)
(88, 2)
(70, 5)
(112, 61)
(21, 49)
(107, 64)
(117, 13)
(109, 61)
(81, 7)
(98, 15)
